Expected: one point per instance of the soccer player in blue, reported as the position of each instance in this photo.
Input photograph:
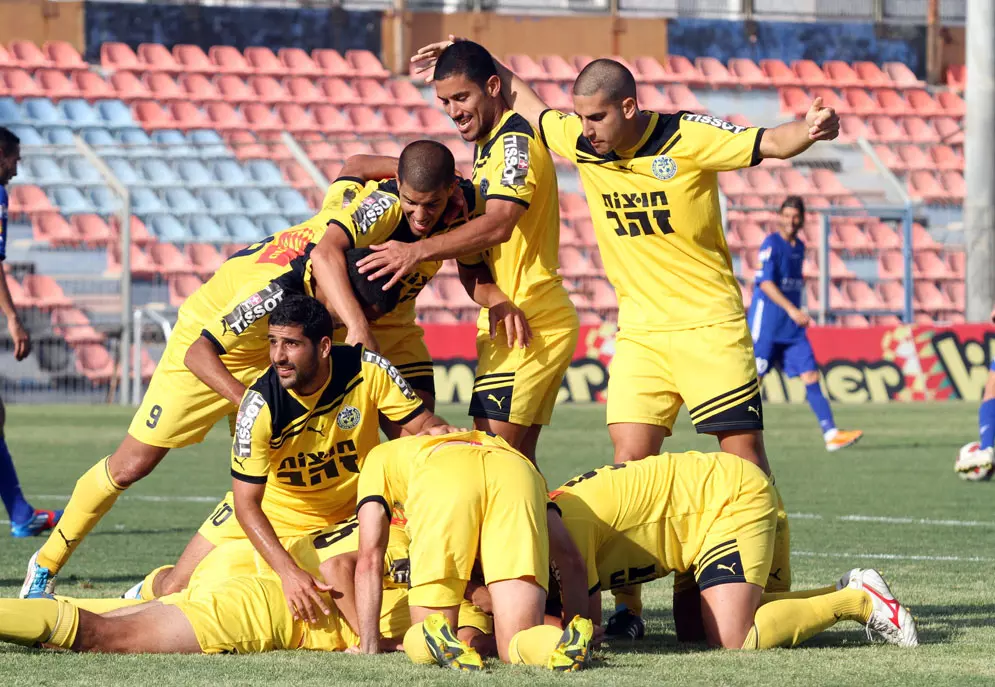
(984, 456)
(778, 323)
(25, 521)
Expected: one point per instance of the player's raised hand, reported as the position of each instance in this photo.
(516, 326)
(362, 335)
(428, 55)
(823, 122)
(394, 257)
(303, 593)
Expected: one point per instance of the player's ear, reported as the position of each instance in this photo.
(630, 109)
(325, 347)
(494, 86)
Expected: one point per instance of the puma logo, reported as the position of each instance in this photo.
(751, 409)
(497, 401)
(69, 542)
(731, 568)
(317, 430)
(776, 575)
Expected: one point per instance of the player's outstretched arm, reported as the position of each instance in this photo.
(428, 422)
(573, 570)
(799, 317)
(369, 167)
(203, 359)
(22, 342)
(328, 266)
(820, 124)
(479, 284)
(373, 533)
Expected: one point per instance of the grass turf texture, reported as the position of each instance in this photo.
(901, 470)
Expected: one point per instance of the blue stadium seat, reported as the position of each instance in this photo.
(229, 174)
(135, 143)
(242, 230)
(60, 136)
(168, 228)
(145, 202)
(172, 144)
(79, 113)
(194, 173)
(206, 229)
(265, 173)
(182, 202)
(209, 144)
(29, 135)
(115, 114)
(273, 223)
(105, 201)
(292, 203)
(10, 113)
(41, 112)
(46, 171)
(100, 139)
(124, 171)
(83, 173)
(157, 174)
(218, 202)
(255, 202)
(70, 200)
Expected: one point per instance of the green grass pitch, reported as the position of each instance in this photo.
(892, 502)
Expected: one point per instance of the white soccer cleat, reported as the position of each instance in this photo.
(135, 592)
(889, 619)
(972, 457)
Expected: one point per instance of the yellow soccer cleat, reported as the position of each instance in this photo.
(843, 438)
(446, 649)
(574, 650)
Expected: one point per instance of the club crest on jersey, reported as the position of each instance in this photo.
(370, 209)
(348, 418)
(253, 308)
(664, 168)
(516, 160)
(484, 185)
(248, 411)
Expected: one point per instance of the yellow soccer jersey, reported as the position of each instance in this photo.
(511, 164)
(638, 521)
(389, 467)
(308, 450)
(375, 216)
(657, 218)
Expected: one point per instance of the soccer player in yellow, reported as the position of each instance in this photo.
(217, 347)
(425, 199)
(711, 515)
(302, 432)
(515, 388)
(465, 495)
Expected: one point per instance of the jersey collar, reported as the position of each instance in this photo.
(650, 127)
(484, 140)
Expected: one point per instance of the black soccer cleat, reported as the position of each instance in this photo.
(625, 624)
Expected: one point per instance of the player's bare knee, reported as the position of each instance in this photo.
(810, 377)
(133, 461)
(169, 582)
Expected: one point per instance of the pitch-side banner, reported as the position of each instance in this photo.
(877, 364)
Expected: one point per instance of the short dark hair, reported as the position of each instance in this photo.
(370, 293)
(299, 310)
(606, 76)
(794, 202)
(467, 58)
(426, 166)
(8, 141)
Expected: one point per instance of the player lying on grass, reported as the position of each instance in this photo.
(303, 430)
(711, 515)
(218, 346)
(984, 457)
(515, 388)
(425, 199)
(777, 322)
(465, 495)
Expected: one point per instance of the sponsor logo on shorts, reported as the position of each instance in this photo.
(371, 209)
(396, 377)
(348, 418)
(248, 411)
(516, 160)
(664, 168)
(714, 121)
(253, 308)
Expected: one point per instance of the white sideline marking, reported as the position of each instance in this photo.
(916, 521)
(144, 497)
(895, 557)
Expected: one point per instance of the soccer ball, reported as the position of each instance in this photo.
(976, 474)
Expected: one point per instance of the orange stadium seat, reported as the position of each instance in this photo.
(558, 69)
(854, 321)
(884, 129)
(298, 63)
(829, 99)
(200, 89)
(902, 76)
(732, 184)
(779, 74)
(952, 104)
(302, 91)
(884, 237)
(164, 87)
(119, 56)
(45, 291)
(794, 101)
(366, 64)
(945, 158)
(956, 293)
(852, 128)
(17, 293)
(373, 93)
(140, 235)
(555, 97)
(264, 62)
(182, 287)
(405, 93)
(331, 170)
(809, 73)
(393, 148)
(752, 234)
(320, 150)
(54, 230)
(220, 116)
(129, 87)
(949, 131)
(863, 296)
(683, 98)
(28, 55)
(927, 296)
(526, 68)
(64, 56)
(269, 91)
(891, 266)
(28, 201)
(859, 102)
(649, 70)
(957, 77)
(92, 230)
(796, 183)
(435, 122)
(19, 84)
(295, 119)
(192, 59)
(763, 183)
(332, 63)
(891, 103)
(624, 62)
(141, 266)
(838, 300)
(827, 183)
(581, 61)
(913, 157)
(94, 362)
(841, 75)
(74, 326)
(401, 122)
(205, 258)
(923, 184)
(738, 120)
(716, 74)
(260, 118)
(339, 92)
(57, 84)
(919, 131)
(955, 185)
(922, 104)
(746, 72)
(650, 98)
(228, 60)
(573, 206)
(157, 58)
(296, 176)
(574, 263)
(957, 260)
(927, 264)
(330, 120)
(684, 71)
(872, 75)
(234, 90)
(168, 259)
(890, 159)
(152, 115)
(364, 120)
(93, 87)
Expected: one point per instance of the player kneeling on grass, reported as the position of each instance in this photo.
(463, 493)
(302, 433)
(713, 515)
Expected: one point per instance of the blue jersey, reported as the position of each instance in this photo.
(3, 223)
(780, 263)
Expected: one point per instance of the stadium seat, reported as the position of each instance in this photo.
(129, 87)
(120, 57)
(115, 114)
(54, 230)
(157, 174)
(172, 144)
(263, 61)
(945, 158)
(779, 74)
(827, 183)
(45, 292)
(124, 171)
(105, 202)
(169, 260)
(181, 287)
(81, 114)
(140, 235)
(56, 85)
(555, 97)
(199, 89)
(858, 102)
(302, 91)
(69, 200)
(28, 135)
(19, 84)
(649, 97)
(763, 183)
(954, 183)
(747, 74)
(809, 73)
(338, 92)
(829, 99)
(405, 94)
(93, 87)
(217, 201)
(922, 104)
(373, 93)
(924, 185)
(28, 201)
(332, 63)
(46, 170)
(205, 228)
(144, 201)
(891, 265)
(951, 104)
(526, 68)
(10, 113)
(246, 145)
(298, 63)
(854, 320)
(167, 228)
(193, 173)
(558, 69)
(401, 122)
(366, 65)
(716, 74)
(205, 258)
(192, 59)
(269, 91)
(927, 296)
(94, 362)
(73, 325)
(927, 264)
(649, 70)
(330, 120)
(957, 77)
(794, 101)
(733, 185)
(242, 230)
(957, 260)
(848, 236)
(884, 130)
(684, 71)
(264, 173)
(296, 119)
(902, 76)
(872, 75)
(862, 296)
(64, 56)
(890, 103)
(83, 173)
(92, 230)
(841, 75)
(271, 224)
(956, 293)
(164, 87)
(291, 203)
(949, 131)
(297, 177)
(260, 118)
(884, 237)
(254, 202)
(913, 158)
(41, 112)
(435, 122)
(234, 90)
(153, 116)
(683, 98)
(220, 116)
(157, 58)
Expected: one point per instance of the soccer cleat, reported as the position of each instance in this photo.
(39, 583)
(889, 619)
(41, 521)
(843, 438)
(574, 650)
(135, 592)
(625, 623)
(974, 458)
(446, 649)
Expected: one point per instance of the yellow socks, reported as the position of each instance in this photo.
(38, 621)
(790, 621)
(534, 646)
(148, 592)
(415, 645)
(93, 496)
(779, 579)
(800, 594)
(100, 606)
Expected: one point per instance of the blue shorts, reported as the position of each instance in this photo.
(794, 357)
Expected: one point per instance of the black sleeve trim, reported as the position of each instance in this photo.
(352, 241)
(355, 179)
(251, 479)
(552, 506)
(412, 415)
(217, 344)
(542, 132)
(374, 499)
(523, 203)
(755, 160)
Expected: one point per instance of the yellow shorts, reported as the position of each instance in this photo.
(739, 546)
(179, 410)
(222, 525)
(468, 501)
(711, 369)
(520, 385)
(404, 346)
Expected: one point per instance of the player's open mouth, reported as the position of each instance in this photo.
(463, 123)
(284, 371)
